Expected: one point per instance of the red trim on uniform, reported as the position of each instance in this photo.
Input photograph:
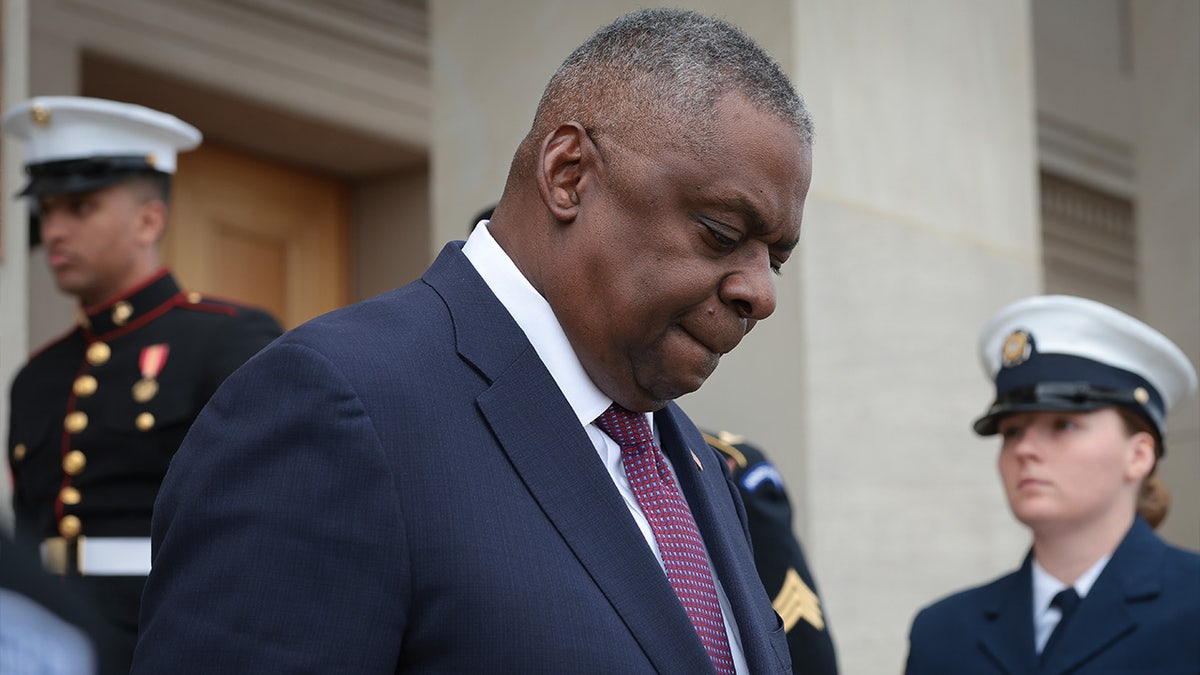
(175, 301)
(129, 292)
(211, 307)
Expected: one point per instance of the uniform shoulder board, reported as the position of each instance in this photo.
(207, 303)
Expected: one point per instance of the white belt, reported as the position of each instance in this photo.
(98, 556)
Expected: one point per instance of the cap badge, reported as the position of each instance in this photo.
(40, 115)
(1017, 348)
(1141, 395)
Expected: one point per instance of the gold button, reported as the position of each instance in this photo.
(73, 462)
(98, 353)
(121, 312)
(1141, 395)
(19, 452)
(69, 495)
(193, 297)
(75, 422)
(85, 385)
(145, 421)
(70, 526)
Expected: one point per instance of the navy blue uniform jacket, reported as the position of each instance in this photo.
(400, 486)
(1142, 616)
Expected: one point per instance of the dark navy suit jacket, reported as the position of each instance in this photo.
(1142, 617)
(400, 486)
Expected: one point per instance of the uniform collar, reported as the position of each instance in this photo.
(131, 307)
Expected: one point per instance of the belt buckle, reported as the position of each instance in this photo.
(61, 556)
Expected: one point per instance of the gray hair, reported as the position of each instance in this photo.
(656, 75)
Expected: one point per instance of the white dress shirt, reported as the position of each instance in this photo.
(1045, 587)
(537, 320)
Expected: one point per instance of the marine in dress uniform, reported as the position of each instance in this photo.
(1131, 602)
(778, 556)
(98, 413)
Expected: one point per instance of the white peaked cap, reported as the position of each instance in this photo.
(58, 128)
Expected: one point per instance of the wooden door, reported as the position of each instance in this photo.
(261, 233)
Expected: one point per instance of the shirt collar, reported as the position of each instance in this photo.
(1046, 586)
(537, 320)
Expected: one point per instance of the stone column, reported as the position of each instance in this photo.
(1166, 64)
(14, 240)
(922, 221)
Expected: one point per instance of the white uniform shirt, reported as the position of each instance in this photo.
(1045, 587)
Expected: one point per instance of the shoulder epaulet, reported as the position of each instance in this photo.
(725, 447)
(206, 303)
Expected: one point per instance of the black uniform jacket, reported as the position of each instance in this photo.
(778, 556)
(97, 414)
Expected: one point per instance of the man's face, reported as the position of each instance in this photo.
(96, 241)
(670, 261)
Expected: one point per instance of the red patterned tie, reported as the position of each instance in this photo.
(674, 529)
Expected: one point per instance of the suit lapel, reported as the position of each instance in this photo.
(1007, 635)
(709, 496)
(537, 431)
(1134, 573)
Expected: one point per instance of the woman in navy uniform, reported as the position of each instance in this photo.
(98, 413)
(1082, 395)
(778, 556)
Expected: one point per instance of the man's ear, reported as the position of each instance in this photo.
(565, 158)
(152, 221)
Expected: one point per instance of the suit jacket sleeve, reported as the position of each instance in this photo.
(288, 435)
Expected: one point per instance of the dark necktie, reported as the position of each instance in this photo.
(1066, 601)
(674, 529)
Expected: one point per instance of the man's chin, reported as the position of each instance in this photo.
(670, 387)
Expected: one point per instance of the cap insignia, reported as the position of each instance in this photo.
(40, 115)
(1017, 348)
(1141, 395)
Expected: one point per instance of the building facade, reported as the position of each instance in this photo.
(967, 154)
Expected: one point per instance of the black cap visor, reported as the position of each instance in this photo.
(72, 176)
(1057, 397)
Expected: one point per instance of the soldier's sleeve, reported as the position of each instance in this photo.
(779, 556)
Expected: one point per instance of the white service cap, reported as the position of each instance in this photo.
(76, 144)
(1058, 352)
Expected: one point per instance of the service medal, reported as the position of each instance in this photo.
(150, 362)
(145, 389)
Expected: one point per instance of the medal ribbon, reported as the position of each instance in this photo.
(152, 360)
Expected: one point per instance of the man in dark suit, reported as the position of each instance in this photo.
(778, 555)
(98, 413)
(483, 471)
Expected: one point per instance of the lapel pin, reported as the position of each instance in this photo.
(696, 459)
